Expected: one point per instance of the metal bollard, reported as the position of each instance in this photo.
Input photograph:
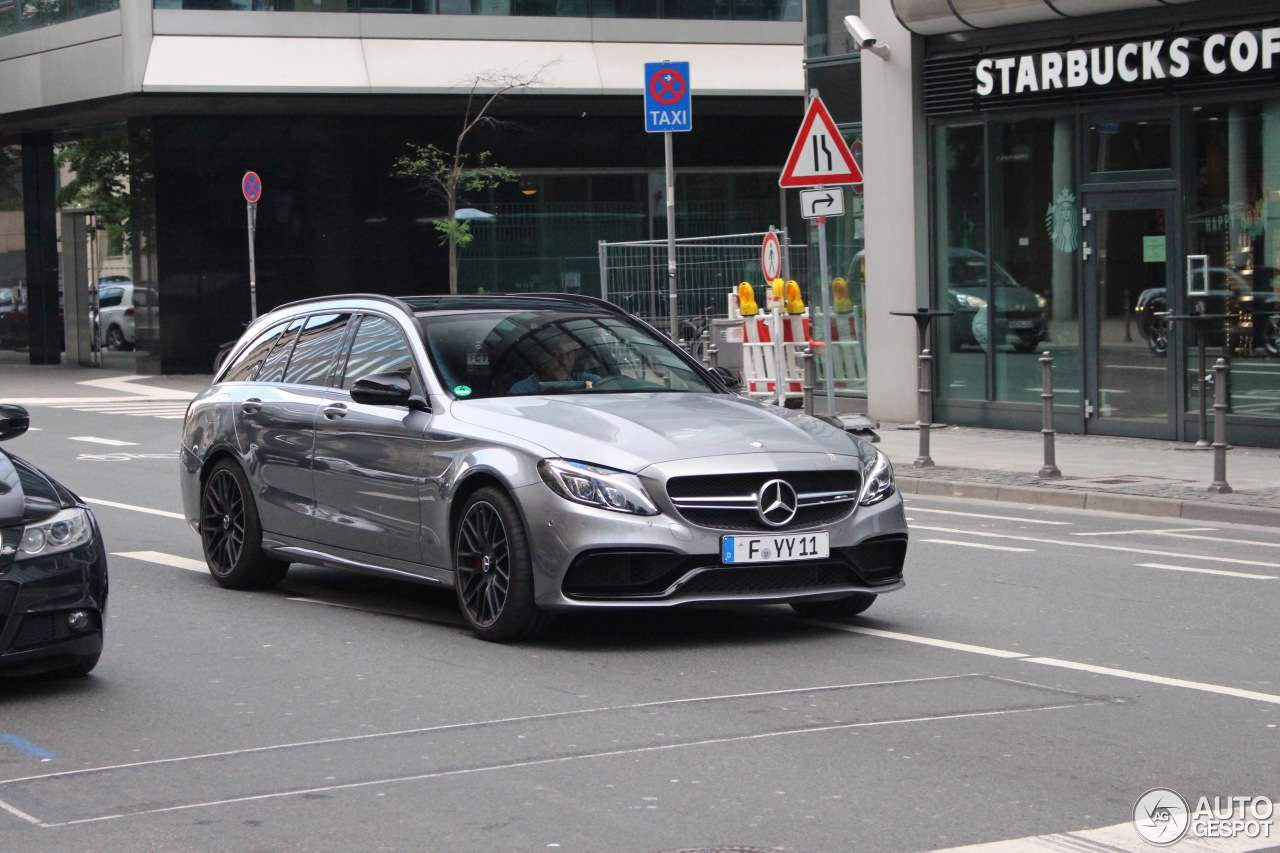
(706, 346)
(1050, 469)
(926, 412)
(1220, 485)
(684, 345)
(806, 382)
(713, 355)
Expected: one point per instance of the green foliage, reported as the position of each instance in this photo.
(444, 175)
(452, 229)
(100, 165)
(10, 178)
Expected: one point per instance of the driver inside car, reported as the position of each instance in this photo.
(556, 364)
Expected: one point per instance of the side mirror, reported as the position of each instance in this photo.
(14, 421)
(730, 378)
(382, 389)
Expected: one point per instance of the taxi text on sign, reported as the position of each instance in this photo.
(667, 102)
(819, 156)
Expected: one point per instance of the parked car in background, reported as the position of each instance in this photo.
(1255, 324)
(53, 569)
(13, 319)
(533, 453)
(118, 302)
(1019, 318)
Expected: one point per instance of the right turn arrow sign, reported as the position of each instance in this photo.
(822, 202)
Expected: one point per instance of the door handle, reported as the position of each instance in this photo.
(333, 411)
(1088, 250)
(251, 406)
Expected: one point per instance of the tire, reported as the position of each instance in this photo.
(841, 608)
(79, 669)
(115, 338)
(232, 534)
(1271, 335)
(494, 570)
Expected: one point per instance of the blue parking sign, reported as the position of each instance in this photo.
(667, 104)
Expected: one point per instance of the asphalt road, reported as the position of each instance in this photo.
(1041, 670)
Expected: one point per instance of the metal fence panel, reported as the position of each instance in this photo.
(634, 275)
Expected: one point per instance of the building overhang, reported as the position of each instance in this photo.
(942, 17)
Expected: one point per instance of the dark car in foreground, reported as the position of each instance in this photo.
(533, 453)
(1020, 316)
(53, 569)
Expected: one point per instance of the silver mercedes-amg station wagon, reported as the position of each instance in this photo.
(534, 453)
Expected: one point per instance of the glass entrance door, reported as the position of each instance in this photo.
(1130, 248)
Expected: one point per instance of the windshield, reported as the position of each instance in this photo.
(519, 353)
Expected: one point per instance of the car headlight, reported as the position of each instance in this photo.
(1041, 302)
(877, 478)
(64, 531)
(596, 486)
(968, 301)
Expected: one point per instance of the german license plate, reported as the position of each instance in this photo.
(1022, 324)
(777, 548)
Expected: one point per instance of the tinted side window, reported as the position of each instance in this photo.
(139, 297)
(379, 347)
(246, 366)
(273, 368)
(110, 297)
(313, 353)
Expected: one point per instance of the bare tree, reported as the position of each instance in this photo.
(445, 175)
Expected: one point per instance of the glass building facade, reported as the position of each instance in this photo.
(1099, 227)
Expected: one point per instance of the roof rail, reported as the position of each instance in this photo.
(427, 302)
(389, 300)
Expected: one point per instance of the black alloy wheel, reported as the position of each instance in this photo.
(1271, 334)
(494, 570)
(232, 534)
(115, 339)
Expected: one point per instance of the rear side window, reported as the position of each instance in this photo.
(111, 297)
(273, 368)
(379, 347)
(317, 344)
(246, 366)
(140, 298)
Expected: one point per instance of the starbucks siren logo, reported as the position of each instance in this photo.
(1060, 221)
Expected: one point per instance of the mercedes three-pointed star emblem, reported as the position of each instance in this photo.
(777, 503)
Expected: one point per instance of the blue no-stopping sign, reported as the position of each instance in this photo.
(667, 102)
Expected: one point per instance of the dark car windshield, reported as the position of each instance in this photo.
(518, 353)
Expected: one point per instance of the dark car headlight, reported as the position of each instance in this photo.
(596, 486)
(877, 477)
(62, 532)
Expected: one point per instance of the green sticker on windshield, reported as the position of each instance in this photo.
(462, 390)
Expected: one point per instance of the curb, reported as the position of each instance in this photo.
(1091, 500)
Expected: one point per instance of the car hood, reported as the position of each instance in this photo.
(27, 493)
(633, 431)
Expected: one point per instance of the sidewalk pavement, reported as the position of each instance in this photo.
(1112, 474)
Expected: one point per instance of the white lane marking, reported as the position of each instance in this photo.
(996, 517)
(530, 718)
(1221, 690)
(1225, 540)
(165, 560)
(564, 759)
(1207, 571)
(1117, 838)
(1132, 532)
(1150, 553)
(16, 812)
(148, 510)
(93, 439)
(912, 638)
(1024, 658)
(131, 385)
(980, 545)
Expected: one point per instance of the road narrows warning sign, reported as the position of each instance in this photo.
(819, 156)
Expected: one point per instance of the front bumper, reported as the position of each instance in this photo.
(591, 558)
(36, 597)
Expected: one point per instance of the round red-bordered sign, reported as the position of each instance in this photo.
(771, 257)
(667, 91)
(251, 186)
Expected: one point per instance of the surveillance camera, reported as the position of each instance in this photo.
(863, 38)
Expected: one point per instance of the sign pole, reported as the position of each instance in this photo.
(825, 285)
(253, 273)
(671, 236)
